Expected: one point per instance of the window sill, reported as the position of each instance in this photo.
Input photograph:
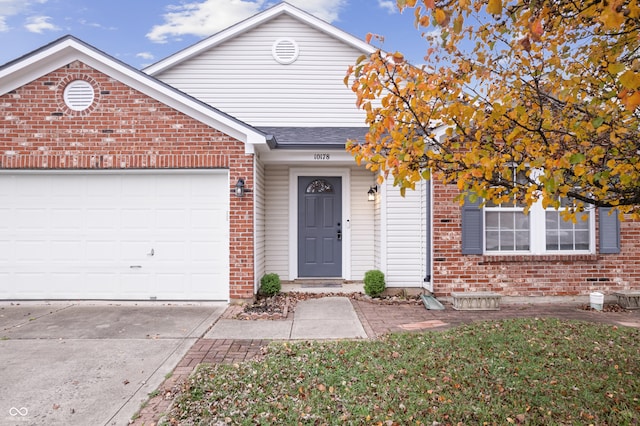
(512, 258)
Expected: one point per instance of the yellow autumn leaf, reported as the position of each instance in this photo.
(610, 16)
(615, 68)
(457, 24)
(630, 79)
(494, 7)
(441, 17)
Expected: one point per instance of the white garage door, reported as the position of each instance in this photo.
(100, 235)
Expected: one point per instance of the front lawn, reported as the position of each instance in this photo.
(520, 371)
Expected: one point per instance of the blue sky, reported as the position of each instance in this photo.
(141, 32)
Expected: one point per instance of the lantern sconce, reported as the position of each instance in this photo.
(240, 190)
(373, 190)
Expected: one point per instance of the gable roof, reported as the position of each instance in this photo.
(283, 8)
(68, 49)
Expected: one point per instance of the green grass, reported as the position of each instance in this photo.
(522, 371)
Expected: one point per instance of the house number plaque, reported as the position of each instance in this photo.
(321, 157)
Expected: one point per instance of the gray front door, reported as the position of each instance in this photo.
(319, 226)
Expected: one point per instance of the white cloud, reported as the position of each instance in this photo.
(15, 7)
(10, 8)
(39, 24)
(390, 5)
(207, 17)
(145, 55)
(86, 23)
(328, 10)
(434, 35)
(202, 19)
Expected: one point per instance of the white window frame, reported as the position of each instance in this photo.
(537, 234)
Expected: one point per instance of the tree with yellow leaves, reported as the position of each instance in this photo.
(548, 91)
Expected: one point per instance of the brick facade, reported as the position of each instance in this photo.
(125, 129)
(521, 275)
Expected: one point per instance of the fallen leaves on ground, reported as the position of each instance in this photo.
(519, 371)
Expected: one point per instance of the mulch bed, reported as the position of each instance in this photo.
(282, 305)
(607, 307)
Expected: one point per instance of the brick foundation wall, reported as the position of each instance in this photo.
(125, 129)
(522, 275)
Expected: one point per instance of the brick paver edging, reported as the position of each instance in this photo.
(214, 351)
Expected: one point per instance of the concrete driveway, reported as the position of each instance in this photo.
(91, 363)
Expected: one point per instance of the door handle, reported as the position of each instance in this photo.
(339, 235)
(151, 253)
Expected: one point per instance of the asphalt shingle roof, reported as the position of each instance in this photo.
(312, 137)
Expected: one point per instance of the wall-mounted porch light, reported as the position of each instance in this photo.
(372, 192)
(240, 188)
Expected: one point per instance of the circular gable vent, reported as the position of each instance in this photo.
(285, 50)
(78, 95)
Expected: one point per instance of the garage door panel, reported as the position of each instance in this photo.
(66, 218)
(66, 187)
(101, 251)
(77, 235)
(172, 219)
(134, 250)
(4, 285)
(136, 218)
(67, 283)
(101, 285)
(172, 189)
(171, 251)
(105, 218)
(5, 218)
(31, 218)
(205, 219)
(31, 251)
(29, 283)
(205, 251)
(66, 251)
(103, 189)
(6, 252)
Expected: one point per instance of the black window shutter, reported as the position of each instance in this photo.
(609, 231)
(472, 232)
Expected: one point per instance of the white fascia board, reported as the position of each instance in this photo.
(59, 55)
(316, 157)
(32, 67)
(253, 22)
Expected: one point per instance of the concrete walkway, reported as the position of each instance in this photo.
(315, 319)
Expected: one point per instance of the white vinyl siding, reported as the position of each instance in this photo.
(259, 200)
(404, 249)
(241, 78)
(362, 224)
(277, 228)
(377, 230)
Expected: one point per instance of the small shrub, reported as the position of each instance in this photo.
(270, 285)
(374, 283)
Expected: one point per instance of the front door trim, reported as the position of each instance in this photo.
(343, 173)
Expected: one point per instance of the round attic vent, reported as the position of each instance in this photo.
(285, 50)
(78, 95)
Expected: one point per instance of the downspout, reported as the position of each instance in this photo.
(428, 211)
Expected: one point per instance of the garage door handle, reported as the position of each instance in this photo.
(135, 266)
(151, 253)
